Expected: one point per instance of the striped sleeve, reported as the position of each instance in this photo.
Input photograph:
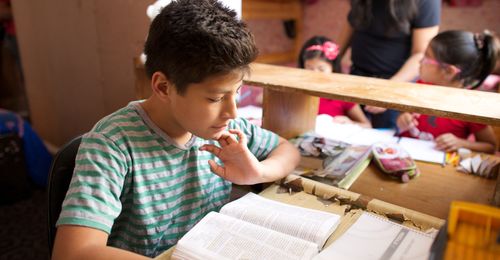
(261, 142)
(93, 197)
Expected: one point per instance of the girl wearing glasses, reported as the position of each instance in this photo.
(457, 59)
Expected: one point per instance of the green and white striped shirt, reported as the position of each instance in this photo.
(134, 183)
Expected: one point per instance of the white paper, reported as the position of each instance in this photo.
(422, 150)
(372, 237)
(218, 236)
(311, 225)
(351, 133)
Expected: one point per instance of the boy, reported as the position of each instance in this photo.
(143, 175)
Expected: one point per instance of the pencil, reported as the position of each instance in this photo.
(444, 159)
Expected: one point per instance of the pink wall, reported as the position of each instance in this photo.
(326, 17)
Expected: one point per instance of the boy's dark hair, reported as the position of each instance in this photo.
(474, 54)
(191, 40)
(401, 12)
(312, 54)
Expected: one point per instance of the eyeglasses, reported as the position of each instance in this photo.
(426, 60)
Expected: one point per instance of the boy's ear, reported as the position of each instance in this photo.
(160, 85)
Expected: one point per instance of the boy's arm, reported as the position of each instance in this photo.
(281, 161)
(240, 166)
(79, 242)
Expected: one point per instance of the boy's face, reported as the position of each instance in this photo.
(206, 108)
(318, 64)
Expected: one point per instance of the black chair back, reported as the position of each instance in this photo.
(59, 179)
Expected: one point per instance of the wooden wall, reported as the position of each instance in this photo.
(77, 60)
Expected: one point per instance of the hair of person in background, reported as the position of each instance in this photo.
(474, 54)
(319, 47)
(189, 53)
(401, 12)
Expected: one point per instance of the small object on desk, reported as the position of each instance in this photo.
(395, 161)
(488, 167)
(464, 153)
(472, 232)
(452, 158)
(342, 163)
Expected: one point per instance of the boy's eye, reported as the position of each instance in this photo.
(215, 100)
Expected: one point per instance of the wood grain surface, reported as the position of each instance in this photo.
(468, 105)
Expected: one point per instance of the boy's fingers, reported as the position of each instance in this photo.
(241, 136)
(217, 169)
(212, 149)
(230, 139)
(223, 140)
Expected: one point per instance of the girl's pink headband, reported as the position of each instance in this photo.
(330, 49)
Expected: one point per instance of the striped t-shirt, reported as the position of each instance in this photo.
(133, 182)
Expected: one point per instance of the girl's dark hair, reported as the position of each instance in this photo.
(401, 12)
(191, 40)
(311, 54)
(474, 54)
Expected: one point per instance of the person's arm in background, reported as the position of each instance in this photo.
(344, 42)
(420, 40)
(485, 141)
(409, 71)
(358, 117)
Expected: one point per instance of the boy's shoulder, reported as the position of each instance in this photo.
(124, 118)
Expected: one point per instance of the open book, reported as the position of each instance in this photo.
(373, 237)
(253, 227)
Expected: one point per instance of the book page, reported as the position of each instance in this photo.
(421, 150)
(311, 225)
(218, 236)
(373, 237)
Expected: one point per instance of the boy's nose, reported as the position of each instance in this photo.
(230, 109)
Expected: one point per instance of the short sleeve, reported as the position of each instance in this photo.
(93, 197)
(429, 14)
(261, 142)
(475, 127)
(347, 106)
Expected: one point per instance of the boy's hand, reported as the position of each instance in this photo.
(375, 110)
(240, 165)
(448, 142)
(406, 121)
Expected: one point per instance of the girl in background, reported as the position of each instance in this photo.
(456, 59)
(319, 54)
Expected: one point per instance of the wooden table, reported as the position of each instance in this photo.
(430, 193)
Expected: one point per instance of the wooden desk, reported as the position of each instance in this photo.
(430, 193)
(290, 108)
(307, 200)
(290, 95)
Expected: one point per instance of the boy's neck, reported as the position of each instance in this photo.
(162, 117)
